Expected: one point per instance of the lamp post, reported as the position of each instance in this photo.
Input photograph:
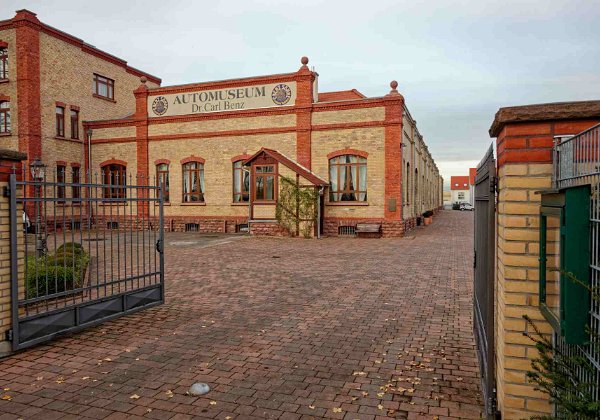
(89, 132)
(38, 171)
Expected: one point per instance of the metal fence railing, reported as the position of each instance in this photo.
(576, 163)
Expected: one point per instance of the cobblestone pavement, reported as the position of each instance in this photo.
(280, 328)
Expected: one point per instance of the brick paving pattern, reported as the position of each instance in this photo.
(279, 328)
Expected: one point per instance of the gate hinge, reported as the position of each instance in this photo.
(494, 184)
(9, 335)
(159, 246)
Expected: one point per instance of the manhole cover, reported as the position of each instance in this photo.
(199, 388)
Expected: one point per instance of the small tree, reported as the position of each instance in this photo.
(562, 376)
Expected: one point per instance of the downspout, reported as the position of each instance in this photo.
(249, 196)
(319, 215)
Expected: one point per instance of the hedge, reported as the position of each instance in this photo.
(63, 271)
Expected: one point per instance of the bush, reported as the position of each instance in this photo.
(456, 206)
(70, 248)
(57, 273)
(428, 213)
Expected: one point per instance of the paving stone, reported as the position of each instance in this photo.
(376, 328)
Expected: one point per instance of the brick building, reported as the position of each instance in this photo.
(220, 148)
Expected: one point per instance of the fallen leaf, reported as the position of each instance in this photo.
(169, 394)
(6, 398)
(7, 389)
(213, 403)
(85, 377)
(134, 397)
(359, 373)
(365, 394)
(381, 394)
(380, 407)
(354, 398)
(39, 378)
(108, 359)
(312, 407)
(337, 410)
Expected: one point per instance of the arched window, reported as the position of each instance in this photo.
(114, 175)
(416, 197)
(193, 182)
(162, 179)
(3, 62)
(4, 117)
(408, 183)
(241, 182)
(348, 178)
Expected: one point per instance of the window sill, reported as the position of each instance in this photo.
(4, 80)
(67, 139)
(193, 204)
(7, 134)
(242, 204)
(104, 98)
(156, 203)
(113, 203)
(347, 203)
(267, 203)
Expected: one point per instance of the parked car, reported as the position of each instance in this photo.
(466, 207)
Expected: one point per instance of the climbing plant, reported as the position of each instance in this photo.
(296, 207)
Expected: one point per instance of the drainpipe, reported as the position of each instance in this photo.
(319, 215)
(249, 196)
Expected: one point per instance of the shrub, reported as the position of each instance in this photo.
(57, 273)
(70, 248)
(428, 213)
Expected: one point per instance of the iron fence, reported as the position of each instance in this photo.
(82, 252)
(576, 163)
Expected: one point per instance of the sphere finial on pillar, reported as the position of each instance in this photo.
(394, 85)
(143, 79)
(304, 60)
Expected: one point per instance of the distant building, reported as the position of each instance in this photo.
(462, 188)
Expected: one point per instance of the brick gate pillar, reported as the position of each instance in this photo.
(9, 161)
(524, 140)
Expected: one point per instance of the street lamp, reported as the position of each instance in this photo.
(38, 172)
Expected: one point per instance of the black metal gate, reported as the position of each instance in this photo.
(82, 253)
(483, 293)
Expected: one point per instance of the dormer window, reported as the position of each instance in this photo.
(104, 87)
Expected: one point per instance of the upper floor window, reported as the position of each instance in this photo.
(104, 87)
(115, 176)
(265, 177)
(60, 182)
(193, 182)
(4, 117)
(3, 62)
(348, 178)
(74, 124)
(162, 179)
(60, 121)
(241, 182)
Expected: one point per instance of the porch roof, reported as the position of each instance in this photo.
(289, 163)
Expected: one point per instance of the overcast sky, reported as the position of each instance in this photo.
(456, 62)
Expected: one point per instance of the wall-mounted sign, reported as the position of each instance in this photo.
(219, 100)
